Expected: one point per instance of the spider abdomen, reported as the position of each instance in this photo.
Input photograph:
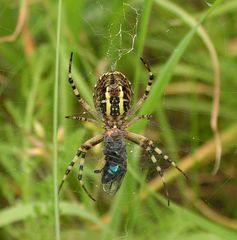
(113, 94)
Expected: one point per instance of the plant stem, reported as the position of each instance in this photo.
(55, 127)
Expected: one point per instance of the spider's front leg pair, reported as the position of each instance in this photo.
(152, 150)
(83, 103)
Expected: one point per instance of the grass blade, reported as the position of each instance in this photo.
(55, 127)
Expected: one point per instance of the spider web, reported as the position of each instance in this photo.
(123, 34)
(119, 37)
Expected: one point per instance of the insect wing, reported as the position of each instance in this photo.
(112, 186)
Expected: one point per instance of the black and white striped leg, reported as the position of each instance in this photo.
(149, 147)
(84, 104)
(159, 170)
(138, 105)
(80, 174)
(166, 158)
(147, 143)
(69, 168)
(82, 119)
(81, 153)
(151, 77)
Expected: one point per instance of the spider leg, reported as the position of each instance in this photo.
(146, 142)
(79, 118)
(84, 104)
(98, 170)
(159, 170)
(137, 118)
(81, 152)
(149, 147)
(138, 105)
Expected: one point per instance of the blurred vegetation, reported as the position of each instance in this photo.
(181, 57)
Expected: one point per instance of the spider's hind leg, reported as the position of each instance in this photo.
(167, 159)
(148, 144)
(151, 149)
(159, 170)
(81, 153)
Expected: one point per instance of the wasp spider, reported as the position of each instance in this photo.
(112, 99)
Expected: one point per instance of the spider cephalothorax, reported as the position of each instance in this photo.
(113, 112)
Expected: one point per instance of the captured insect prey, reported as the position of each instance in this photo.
(116, 163)
(114, 113)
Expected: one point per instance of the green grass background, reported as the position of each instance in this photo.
(37, 143)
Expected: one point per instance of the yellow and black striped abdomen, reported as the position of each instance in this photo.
(113, 94)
